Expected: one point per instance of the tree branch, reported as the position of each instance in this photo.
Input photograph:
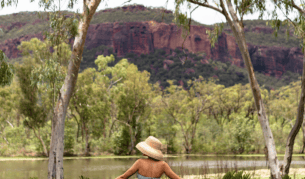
(206, 5)
(10, 123)
(225, 13)
(114, 83)
(297, 7)
(231, 11)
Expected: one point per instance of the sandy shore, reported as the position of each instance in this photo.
(258, 173)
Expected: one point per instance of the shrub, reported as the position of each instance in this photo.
(288, 177)
(82, 177)
(241, 131)
(238, 175)
(69, 136)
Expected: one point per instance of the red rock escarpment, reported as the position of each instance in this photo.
(145, 37)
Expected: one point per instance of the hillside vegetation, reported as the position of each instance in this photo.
(228, 75)
(150, 14)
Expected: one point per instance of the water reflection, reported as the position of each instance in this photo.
(104, 168)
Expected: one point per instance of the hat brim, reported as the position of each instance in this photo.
(151, 152)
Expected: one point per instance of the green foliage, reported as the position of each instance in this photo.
(236, 133)
(6, 70)
(69, 140)
(227, 74)
(63, 28)
(44, 132)
(34, 112)
(286, 177)
(172, 148)
(236, 175)
(82, 177)
(216, 32)
(241, 132)
(49, 69)
(89, 56)
(120, 16)
(118, 93)
(122, 142)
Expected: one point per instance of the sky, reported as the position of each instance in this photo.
(201, 14)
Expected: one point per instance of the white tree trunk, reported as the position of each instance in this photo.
(238, 31)
(55, 166)
(296, 128)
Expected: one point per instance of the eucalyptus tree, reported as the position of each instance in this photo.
(50, 68)
(46, 72)
(82, 103)
(77, 29)
(9, 100)
(231, 12)
(55, 168)
(186, 107)
(35, 113)
(128, 94)
(299, 27)
(6, 70)
(133, 100)
(106, 88)
(285, 103)
(234, 99)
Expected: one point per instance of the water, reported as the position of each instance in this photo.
(110, 168)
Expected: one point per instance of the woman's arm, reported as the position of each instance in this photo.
(133, 169)
(168, 171)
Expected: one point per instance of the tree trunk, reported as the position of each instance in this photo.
(77, 133)
(298, 123)
(238, 31)
(55, 166)
(112, 123)
(83, 131)
(41, 141)
(132, 141)
(87, 141)
(27, 131)
(39, 138)
(188, 148)
(18, 119)
(104, 128)
(303, 130)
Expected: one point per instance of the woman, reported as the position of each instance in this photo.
(153, 167)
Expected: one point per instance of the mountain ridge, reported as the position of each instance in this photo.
(125, 36)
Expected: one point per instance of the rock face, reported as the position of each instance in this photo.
(145, 37)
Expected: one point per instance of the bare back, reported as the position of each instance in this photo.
(155, 169)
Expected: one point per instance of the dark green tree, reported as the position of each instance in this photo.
(6, 70)
(35, 113)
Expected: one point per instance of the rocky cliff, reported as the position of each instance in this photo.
(147, 36)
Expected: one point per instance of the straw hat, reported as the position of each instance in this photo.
(151, 147)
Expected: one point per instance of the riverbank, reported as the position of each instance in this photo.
(130, 156)
(295, 173)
